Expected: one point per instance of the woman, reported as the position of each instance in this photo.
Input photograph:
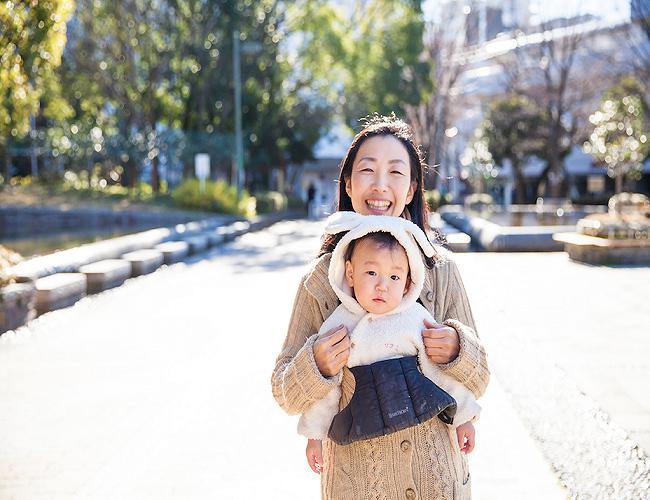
(382, 174)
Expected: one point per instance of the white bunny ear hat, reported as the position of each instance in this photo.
(409, 235)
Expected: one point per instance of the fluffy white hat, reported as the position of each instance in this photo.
(409, 235)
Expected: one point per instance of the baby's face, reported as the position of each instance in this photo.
(378, 275)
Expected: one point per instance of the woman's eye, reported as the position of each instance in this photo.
(397, 172)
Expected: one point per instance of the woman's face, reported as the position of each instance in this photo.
(380, 182)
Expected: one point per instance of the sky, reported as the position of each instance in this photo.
(614, 10)
(543, 10)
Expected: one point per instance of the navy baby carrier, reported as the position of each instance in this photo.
(389, 396)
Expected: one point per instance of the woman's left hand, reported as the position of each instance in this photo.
(441, 342)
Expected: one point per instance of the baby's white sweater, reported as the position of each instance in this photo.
(377, 338)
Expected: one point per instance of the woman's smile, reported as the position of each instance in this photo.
(378, 207)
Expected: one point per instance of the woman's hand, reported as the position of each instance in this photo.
(441, 342)
(332, 350)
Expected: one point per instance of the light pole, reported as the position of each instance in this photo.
(238, 163)
(238, 160)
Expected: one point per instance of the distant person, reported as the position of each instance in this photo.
(311, 199)
(377, 272)
(382, 174)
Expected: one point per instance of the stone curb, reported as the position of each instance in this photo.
(73, 259)
(21, 220)
(495, 238)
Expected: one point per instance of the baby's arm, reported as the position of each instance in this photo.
(314, 452)
(467, 409)
(316, 421)
(465, 434)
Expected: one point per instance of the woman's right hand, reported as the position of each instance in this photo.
(332, 350)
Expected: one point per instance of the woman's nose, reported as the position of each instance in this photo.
(379, 182)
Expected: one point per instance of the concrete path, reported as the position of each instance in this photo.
(592, 321)
(160, 388)
(569, 343)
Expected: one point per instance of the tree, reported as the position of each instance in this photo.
(32, 38)
(511, 131)
(368, 61)
(118, 69)
(640, 20)
(621, 136)
(557, 72)
(443, 47)
(478, 164)
(386, 72)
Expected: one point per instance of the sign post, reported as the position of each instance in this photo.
(202, 169)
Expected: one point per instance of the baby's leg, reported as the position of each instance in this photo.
(314, 452)
(466, 434)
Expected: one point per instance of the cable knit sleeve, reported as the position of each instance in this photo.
(470, 367)
(296, 381)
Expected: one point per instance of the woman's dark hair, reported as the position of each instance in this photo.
(417, 210)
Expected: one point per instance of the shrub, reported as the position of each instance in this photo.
(8, 258)
(218, 196)
(295, 202)
(247, 206)
(435, 200)
(143, 191)
(270, 201)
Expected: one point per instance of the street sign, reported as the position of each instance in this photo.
(202, 168)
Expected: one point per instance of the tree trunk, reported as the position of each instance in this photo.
(131, 172)
(520, 184)
(282, 187)
(4, 162)
(618, 183)
(155, 174)
(556, 177)
(187, 170)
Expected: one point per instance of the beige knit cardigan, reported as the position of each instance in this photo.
(418, 462)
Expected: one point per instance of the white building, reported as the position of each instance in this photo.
(604, 49)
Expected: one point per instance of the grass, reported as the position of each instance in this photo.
(62, 196)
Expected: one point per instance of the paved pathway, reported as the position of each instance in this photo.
(570, 344)
(160, 389)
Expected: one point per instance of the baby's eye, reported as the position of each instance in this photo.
(371, 273)
(394, 277)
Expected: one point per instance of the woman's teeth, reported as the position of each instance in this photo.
(378, 205)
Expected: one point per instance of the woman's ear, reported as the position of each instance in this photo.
(348, 185)
(348, 273)
(412, 189)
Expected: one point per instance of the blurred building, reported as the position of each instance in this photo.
(323, 172)
(481, 20)
(605, 53)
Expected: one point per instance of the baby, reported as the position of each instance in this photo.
(377, 271)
